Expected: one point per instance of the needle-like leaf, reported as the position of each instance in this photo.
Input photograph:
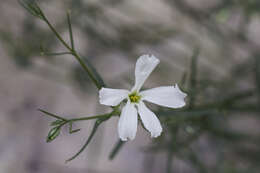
(116, 149)
(52, 115)
(193, 77)
(70, 31)
(55, 54)
(32, 7)
(53, 134)
(94, 130)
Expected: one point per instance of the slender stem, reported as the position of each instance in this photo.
(73, 52)
(86, 144)
(56, 33)
(169, 162)
(92, 117)
(196, 162)
(70, 30)
(52, 115)
(257, 76)
(107, 115)
(193, 78)
(55, 54)
(96, 125)
(99, 86)
(172, 148)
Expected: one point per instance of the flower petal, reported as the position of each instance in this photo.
(112, 97)
(169, 96)
(127, 124)
(144, 66)
(149, 119)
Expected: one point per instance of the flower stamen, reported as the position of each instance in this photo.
(134, 97)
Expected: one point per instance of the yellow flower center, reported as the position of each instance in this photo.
(134, 97)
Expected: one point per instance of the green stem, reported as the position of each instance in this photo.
(169, 162)
(86, 144)
(102, 116)
(73, 52)
(98, 122)
(193, 78)
(70, 30)
(56, 33)
(99, 86)
(55, 54)
(92, 117)
(52, 115)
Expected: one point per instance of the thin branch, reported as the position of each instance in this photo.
(55, 54)
(52, 115)
(92, 117)
(96, 125)
(113, 113)
(193, 78)
(72, 51)
(70, 30)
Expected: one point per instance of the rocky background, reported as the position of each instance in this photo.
(112, 34)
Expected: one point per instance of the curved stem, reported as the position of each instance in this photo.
(86, 144)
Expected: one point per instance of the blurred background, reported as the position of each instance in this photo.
(210, 48)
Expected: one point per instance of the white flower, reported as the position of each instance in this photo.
(169, 96)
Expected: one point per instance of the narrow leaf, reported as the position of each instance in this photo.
(183, 79)
(95, 73)
(55, 54)
(94, 130)
(116, 149)
(53, 134)
(70, 30)
(52, 115)
(257, 75)
(193, 77)
(31, 7)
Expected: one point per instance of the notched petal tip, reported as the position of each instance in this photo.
(100, 92)
(144, 67)
(180, 91)
(181, 95)
(149, 58)
(123, 139)
(156, 135)
(101, 95)
(127, 139)
(168, 96)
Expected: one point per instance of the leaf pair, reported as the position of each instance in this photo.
(32, 7)
(53, 133)
(58, 124)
